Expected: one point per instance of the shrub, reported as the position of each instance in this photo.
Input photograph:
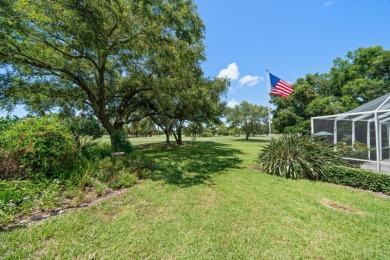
(123, 179)
(297, 156)
(357, 150)
(120, 142)
(10, 168)
(41, 145)
(7, 121)
(358, 178)
(84, 129)
(18, 197)
(302, 128)
(140, 164)
(101, 188)
(96, 152)
(112, 170)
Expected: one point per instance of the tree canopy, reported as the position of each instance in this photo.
(108, 57)
(363, 75)
(248, 117)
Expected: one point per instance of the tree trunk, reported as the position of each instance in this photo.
(247, 136)
(177, 136)
(167, 142)
(116, 138)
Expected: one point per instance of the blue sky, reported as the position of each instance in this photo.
(291, 38)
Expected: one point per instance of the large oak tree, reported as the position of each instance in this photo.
(248, 117)
(104, 56)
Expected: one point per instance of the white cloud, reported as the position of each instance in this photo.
(231, 72)
(327, 4)
(250, 80)
(232, 103)
(232, 90)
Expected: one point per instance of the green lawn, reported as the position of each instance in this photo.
(205, 202)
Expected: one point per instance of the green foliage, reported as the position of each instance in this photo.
(41, 145)
(297, 156)
(85, 130)
(300, 128)
(110, 58)
(7, 121)
(10, 168)
(213, 188)
(358, 178)
(247, 117)
(144, 127)
(123, 179)
(194, 130)
(107, 170)
(360, 77)
(23, 197)
(120, 142)
(101, 188)
(357, 150)
(18, 197)
(140, 164)
(207, 133)
(96, 152)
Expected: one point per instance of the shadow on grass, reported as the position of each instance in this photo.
(265, 140)
(191, 164)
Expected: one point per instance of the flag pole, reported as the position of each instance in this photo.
(269, 109)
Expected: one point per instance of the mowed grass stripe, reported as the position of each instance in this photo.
(204, 202)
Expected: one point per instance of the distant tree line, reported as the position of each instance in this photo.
(363, 75)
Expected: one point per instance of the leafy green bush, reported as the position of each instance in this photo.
(10, 168)
(302, 128)
(109, 169)
(123, 179)
(358, 178)
(84, 129)
(357, 150)
(120, 142)
(41, 145)
(96, 152)
(101, 188)
(297, 156)
(5, 123)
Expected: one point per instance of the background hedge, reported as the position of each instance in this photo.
(358, 178)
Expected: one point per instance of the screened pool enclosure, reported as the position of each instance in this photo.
(362, 134)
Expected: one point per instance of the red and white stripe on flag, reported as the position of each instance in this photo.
(280, 87)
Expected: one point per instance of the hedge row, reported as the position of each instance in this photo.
(358, 178)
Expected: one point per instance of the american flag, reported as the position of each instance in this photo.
(280, 87)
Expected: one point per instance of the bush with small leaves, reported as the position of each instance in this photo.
(41, 146)
(358, 178)
(120, 142)
(84, 129)
(123, 179)
(298, 156)
(96, 152)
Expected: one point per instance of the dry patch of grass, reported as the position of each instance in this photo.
(208, 199)
(340, 207)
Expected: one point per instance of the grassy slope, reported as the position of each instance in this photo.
(204, 202)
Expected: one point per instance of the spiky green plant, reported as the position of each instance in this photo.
(298, 156)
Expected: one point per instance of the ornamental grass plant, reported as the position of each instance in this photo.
(298, 156)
